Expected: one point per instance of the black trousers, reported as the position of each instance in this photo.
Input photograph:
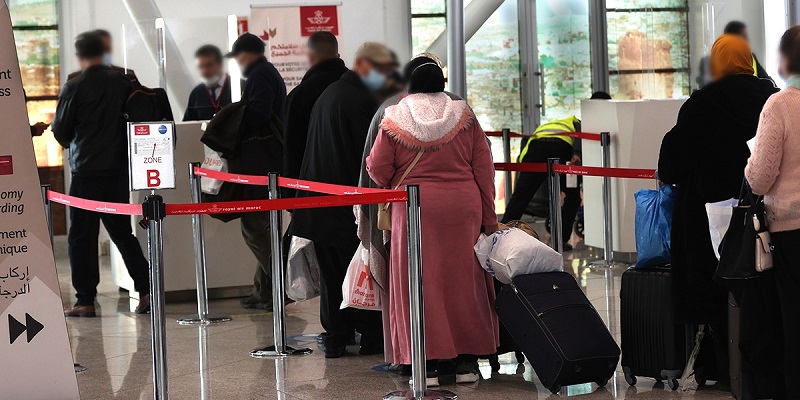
(787, 279)
(529, 182)
(340, 324)
(257, 236)
(84, 231)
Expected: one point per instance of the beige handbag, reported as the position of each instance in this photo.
(384, 209)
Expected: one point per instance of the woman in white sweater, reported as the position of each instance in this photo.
(774, 171)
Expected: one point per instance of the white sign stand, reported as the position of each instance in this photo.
(151, 155)
(34, 345)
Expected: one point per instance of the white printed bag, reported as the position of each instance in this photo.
(719, 219)
(359, 290)
(512, 252)
(212, 161)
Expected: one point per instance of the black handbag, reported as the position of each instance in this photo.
(745, 243)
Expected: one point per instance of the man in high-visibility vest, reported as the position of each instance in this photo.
(549, 141)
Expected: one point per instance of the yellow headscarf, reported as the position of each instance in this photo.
(730, 55)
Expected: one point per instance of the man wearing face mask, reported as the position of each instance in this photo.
(107, 55)
(215, 92)
(265, 94)
(337, 131)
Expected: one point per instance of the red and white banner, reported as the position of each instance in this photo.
(34, 345)
(285, 30)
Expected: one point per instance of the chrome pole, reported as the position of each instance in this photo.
(154, 212)
(205, 384)
(507, 158)
(203, 316)
(608, 233)
(419, 389)
(161, 41)
(48, 213)
(456, 54)
(554, 181)
(280, 349)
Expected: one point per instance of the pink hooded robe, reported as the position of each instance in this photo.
(456, 179)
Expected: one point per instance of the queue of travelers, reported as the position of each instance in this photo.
(374, 126)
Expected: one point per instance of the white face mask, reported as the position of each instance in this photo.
(209, 82)
(107, 59)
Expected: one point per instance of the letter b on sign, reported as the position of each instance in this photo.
(153, 178)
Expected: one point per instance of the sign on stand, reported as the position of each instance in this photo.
(35, 356)
(151, 155)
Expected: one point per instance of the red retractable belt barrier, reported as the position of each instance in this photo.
(387, 196)
(579, 170)
(297, 184)
(607, 172)
(521, 167)
(92, 205)
(577, 135)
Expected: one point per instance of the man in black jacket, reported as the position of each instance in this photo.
(337, 131)
(265, 94)
(326, 68)
(215, 92)
(89, 122)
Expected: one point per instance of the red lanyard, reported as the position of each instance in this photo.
(216, 103)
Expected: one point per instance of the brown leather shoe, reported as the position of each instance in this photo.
(80, 311)
(144, 305)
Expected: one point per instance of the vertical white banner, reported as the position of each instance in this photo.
(285, 30)
(35, 356)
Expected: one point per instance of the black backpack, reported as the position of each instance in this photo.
(145, 104)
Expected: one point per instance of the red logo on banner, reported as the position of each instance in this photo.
(318, 18)
(141, 130)
(6, 165)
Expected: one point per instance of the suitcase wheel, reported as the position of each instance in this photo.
(673, 384)
(602, 383)
(555, 389)
(629, 377)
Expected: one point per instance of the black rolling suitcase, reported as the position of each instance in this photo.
(653, 344)
(558, 330)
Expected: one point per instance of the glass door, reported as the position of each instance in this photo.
(564, 73)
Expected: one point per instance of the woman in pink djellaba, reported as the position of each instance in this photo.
(456, 179)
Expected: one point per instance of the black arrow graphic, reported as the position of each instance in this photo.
(16, 328)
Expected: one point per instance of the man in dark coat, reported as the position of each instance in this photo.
(265, 94)
(326, 68)
(215, 92)
(337, 132)
(705, 155)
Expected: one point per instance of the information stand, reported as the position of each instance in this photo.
(34, 345)
(151, 155)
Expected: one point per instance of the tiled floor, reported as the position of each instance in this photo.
(214, 362)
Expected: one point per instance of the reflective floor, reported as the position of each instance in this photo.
(214, 362)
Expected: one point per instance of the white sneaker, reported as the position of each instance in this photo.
(431, 381)
(469, 377)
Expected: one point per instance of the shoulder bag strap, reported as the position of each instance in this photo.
(410, 167)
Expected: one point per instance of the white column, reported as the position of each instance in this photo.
(456, 55)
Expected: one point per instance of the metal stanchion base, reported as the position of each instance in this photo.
(429, 395)
(608, 264)
(269, 352)
(208, 320)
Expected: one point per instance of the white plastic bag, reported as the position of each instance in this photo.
(512, 252)
(358, 290)
(302, 270)
(719, 219)
(213, 161)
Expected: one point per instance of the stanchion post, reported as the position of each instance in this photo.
(203, 317)
(554, 183)
(419, 388)
(507, 159)
(608, 228)
(280, 349)
(48, 213)
(154, 212)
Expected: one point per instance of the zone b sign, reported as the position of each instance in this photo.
(151, 155)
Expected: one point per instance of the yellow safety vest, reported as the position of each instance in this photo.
(553, 129)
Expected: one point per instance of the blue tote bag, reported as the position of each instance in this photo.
(653, 226)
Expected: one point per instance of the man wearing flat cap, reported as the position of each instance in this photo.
(337, 131)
